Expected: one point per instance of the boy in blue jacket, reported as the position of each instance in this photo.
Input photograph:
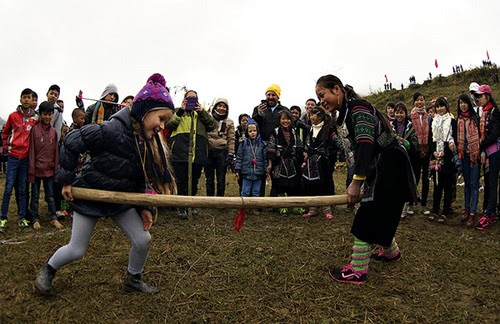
(251, 163)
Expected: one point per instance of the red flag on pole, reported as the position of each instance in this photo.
(436, 63)
(386, 80)
(487, 55)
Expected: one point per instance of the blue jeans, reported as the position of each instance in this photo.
(48, 187)
(251, 188)
(216, 166)
(15, 169)
(471, 184)
(494, 160)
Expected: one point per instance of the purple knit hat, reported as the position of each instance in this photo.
(153, 96)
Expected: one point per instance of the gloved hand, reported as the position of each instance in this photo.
(79, 101)
(231, 162)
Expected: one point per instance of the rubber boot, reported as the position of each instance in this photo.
(134, 283)
(44, 279)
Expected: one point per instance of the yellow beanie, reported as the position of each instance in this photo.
(274, 88)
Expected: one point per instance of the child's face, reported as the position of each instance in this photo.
(46, 117)
(111, 97)
(295, 114)
(432, 112)
(252, 131)
(463, 106)
(26, 101)
(34, 102)
(441, 110)
(400, 115)
(79, 119)
(315, 119)
(52, 96)
(420, 102)
(285, 122)
(244, 121)
(390, 111)
(155, 121)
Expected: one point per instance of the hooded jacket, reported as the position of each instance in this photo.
(108, 108)
(16, 133)
(222, 137)
(57, 120)
(251, 160)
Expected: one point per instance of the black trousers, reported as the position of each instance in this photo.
(216, 168)
(181, 177)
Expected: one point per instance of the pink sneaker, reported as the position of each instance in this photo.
(307, 215)
(329, 216)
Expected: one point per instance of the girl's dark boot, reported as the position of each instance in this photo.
(44, 279)
(134, 283)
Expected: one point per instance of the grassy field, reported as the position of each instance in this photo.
(274, 271)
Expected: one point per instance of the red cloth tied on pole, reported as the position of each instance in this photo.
(436, 63)
(239, 220)
(386, 80)
(487, 55)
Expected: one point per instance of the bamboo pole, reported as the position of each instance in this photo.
(139, 199)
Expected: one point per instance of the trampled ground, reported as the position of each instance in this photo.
(274, 271)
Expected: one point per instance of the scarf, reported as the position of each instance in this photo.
(467, 128)
(484, 118)
(441, 131)
(98, 115)
(400, 128)
(316, 129)
(421, 127)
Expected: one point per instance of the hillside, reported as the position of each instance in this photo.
(450, 87)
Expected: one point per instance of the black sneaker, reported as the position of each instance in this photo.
(347, 274)
(382, 257)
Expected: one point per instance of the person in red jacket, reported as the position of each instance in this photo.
(43, 162)
(16, 139)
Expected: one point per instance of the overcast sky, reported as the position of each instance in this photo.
(235, 49)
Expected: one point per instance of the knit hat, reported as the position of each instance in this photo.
(153, 96)
(274, 88)
(110, 88)
(484, 88)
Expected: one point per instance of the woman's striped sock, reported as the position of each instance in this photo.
(392, 250)
(360, 258)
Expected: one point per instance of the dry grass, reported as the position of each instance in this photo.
(274, 271)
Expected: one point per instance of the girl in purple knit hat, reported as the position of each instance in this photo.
(126, 154)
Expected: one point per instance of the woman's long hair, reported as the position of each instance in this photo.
(329, 81)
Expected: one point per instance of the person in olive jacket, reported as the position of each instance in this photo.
(185, 120)
(125, 154)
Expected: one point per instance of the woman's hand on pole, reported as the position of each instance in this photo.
(354, 192)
